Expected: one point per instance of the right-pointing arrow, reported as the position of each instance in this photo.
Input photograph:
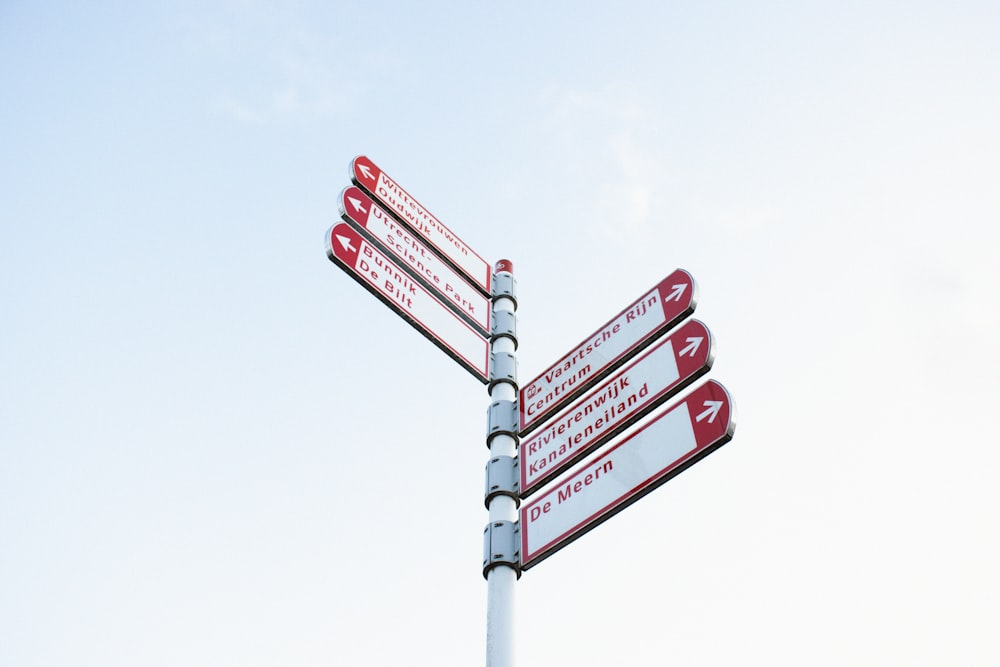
(675, 295)
(713, 410)
(693, 343)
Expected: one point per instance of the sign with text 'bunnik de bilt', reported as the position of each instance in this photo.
(389, 283)
(628, 395)
(395, 238)
(624, 336)
(366, 175)
(603, 486)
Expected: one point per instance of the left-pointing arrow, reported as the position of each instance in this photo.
(345, 242)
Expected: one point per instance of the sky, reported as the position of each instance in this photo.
(217, 449)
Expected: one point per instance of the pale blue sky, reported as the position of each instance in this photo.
(216, 449)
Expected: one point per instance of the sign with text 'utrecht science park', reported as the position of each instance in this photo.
(625, 335)
(369, 177)
(676, 439)
(387, 233)
(628, 395)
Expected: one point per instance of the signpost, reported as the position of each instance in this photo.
(621, 400)
(394, 287)
(626, 334)
(403, 255)
(366, 175)
(389, 235)
(607, 484)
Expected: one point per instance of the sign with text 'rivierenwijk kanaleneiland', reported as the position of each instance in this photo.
(624, 336)
(601, 487)
(392, 285)
(620, 400)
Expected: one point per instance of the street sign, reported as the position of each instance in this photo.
(394, 287)
(620, 401)
(391, 236)
(397, 201)
(625, 335)
(678, 438)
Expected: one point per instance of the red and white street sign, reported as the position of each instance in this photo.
(452, 249)
(388, 234)
(620, 401)
(630, 331)
(678, 438)
(385, 279)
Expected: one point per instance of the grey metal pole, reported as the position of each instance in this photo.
(501, 544)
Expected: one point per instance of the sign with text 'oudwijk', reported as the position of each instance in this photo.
(625, 335)
(670, 443)
(389, 283)
(369, 177)
(616, 403)
(388, 234)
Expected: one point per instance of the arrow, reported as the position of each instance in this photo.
(363, 168)
(346, 242)
(676, 294)
(356, 203)
(713, 410)
(695, 343)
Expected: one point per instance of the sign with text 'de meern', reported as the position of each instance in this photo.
(624, 336)
(388, 234)
(603, 486)
(366, 175)
(619, 401)
(389, 283)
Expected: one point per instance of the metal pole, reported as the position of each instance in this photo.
(501, 560)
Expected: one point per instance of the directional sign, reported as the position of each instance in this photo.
(389, 235)
(604, 486)
(384, 278)
(616, 404)
(630, 331)
(397, 201)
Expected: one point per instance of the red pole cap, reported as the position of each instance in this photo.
(505, 265)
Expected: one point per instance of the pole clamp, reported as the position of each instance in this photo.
(503, 368)
(501, 546)
(503, 324)
(504, 286)
(501, 419)
(502, 479)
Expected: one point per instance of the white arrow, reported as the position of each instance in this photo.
(346, 242)
(676, 294)
(356, 203)
(364, 170)
(695, 343)
(713, 410)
